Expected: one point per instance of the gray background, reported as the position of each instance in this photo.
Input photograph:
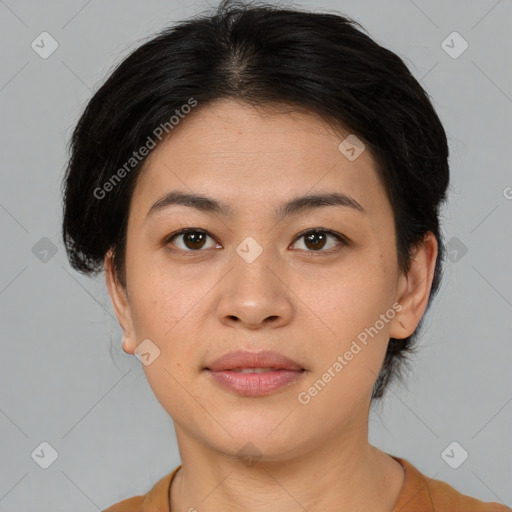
(58, 382)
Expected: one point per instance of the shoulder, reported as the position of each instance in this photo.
(129, 505)
(423, 494)
(156, 499)
(445, 497)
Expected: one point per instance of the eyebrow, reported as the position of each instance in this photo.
(301, 204)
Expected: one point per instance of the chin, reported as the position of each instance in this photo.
(254, 445)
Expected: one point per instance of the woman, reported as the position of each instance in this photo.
(262, 187)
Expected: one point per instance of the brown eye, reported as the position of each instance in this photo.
(191, 239)
(317, 240)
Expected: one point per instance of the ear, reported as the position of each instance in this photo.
(414, 287)
(119, 298)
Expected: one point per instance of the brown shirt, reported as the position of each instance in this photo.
(419, 494)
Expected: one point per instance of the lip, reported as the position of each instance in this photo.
(284, 372)
(246, 359)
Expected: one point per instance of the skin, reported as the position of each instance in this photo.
(295, 299)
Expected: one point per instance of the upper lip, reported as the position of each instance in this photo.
(245, 359)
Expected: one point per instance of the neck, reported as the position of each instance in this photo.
(345, 473)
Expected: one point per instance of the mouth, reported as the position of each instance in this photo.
(254, 373)
(260, 362)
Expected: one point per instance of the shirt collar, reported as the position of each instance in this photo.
(157, 499)
(415, 493)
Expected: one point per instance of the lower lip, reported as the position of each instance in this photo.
(255, 384)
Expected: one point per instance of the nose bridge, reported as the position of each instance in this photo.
(252, 292)
(252, 262)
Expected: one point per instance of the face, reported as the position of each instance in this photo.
(318, 284)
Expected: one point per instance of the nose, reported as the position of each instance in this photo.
(255, 295)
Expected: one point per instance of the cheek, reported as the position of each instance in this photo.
(349, 357)
(354, 313)
(159, 298)
(163, 310)
(343, 302)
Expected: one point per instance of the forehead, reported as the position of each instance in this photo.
(244, 155)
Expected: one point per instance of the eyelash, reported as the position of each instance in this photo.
(342, 240)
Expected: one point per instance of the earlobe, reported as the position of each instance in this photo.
(414, 288)
(128, 348)
(119, 299)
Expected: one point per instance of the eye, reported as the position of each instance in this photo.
(192, 239)
(316, 240)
